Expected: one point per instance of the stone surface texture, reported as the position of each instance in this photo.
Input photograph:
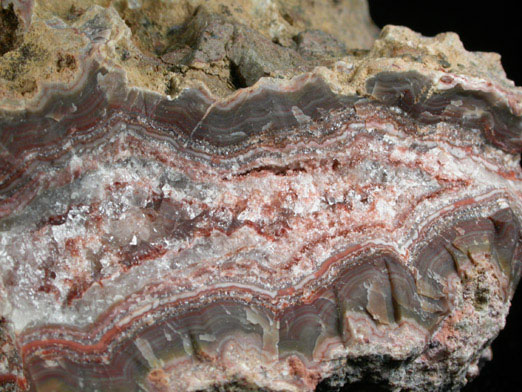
(258, 195)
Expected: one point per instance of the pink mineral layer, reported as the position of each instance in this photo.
(288, 234)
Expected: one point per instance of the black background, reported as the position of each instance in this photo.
(493, 27)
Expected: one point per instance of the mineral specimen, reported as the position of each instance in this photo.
(257, 195)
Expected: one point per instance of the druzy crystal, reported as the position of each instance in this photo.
(252, 196)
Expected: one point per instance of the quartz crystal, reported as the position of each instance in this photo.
(250, 195)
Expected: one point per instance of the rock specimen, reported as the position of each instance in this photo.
(249, 196)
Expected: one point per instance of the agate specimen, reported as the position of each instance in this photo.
(204, 196)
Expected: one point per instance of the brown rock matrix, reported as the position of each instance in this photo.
(260, 195)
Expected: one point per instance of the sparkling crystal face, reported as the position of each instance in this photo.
(295, 230)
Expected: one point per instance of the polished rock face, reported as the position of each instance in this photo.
(196, 197)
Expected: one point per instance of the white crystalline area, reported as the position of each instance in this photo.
(130, 223)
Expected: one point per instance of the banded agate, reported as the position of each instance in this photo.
(353, 219)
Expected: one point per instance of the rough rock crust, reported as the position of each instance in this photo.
(196, 195)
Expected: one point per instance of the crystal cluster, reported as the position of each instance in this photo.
(260, 196)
